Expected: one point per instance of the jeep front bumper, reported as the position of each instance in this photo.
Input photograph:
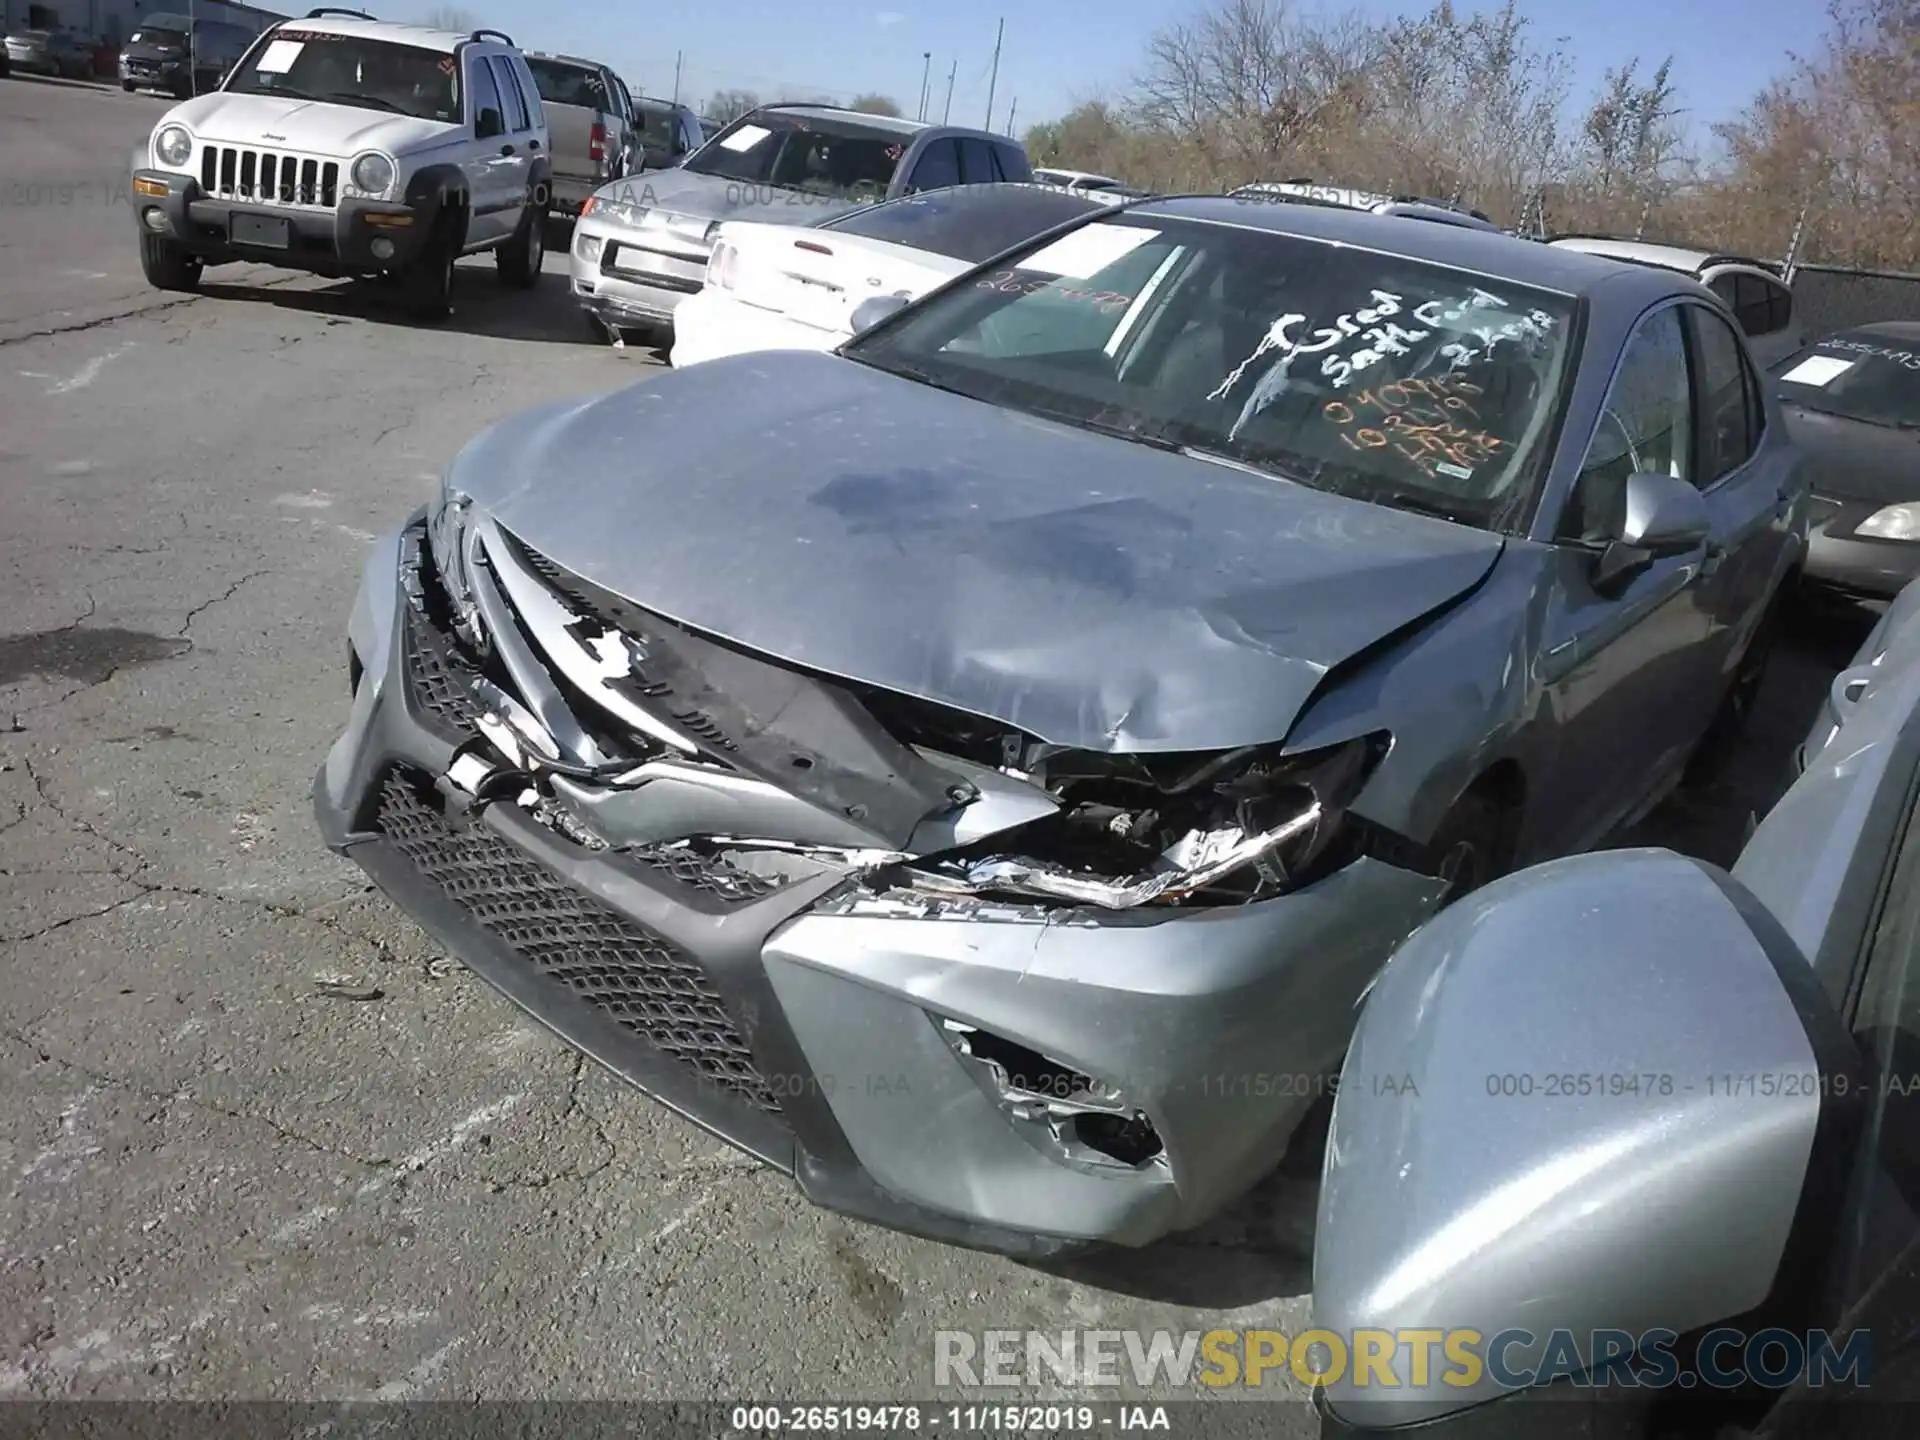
(355, 237)
(811, 1019)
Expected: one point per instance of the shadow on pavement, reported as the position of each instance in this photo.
(482, 305)
(1262, 1248)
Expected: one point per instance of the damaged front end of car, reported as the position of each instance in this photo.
(952, 977)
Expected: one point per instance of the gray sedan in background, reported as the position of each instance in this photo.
(1681, 1136)
(980, 771)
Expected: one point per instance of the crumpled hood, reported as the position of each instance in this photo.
(1851, 460)
(310, 127)
(709, 197)
(1093, 592)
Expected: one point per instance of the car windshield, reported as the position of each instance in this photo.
(562, 84)
(352, 70)
(1371, 375)
(1857, 376)
(841, 158)
(967, 222)
(655, 122)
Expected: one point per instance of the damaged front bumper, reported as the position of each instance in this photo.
(1026, 1078)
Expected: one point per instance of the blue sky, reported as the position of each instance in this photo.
(1063, 51)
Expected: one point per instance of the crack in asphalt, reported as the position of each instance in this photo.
(573, 1104)
(139, 311)
(186, 626)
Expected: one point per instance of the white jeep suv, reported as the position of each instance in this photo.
(345, 146)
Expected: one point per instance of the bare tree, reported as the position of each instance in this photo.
(726, 106)
(448, 17)
(875, 105)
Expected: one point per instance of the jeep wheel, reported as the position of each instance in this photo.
(520, 259)
(428, 281)
(166, 265)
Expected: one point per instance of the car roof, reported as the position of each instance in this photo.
(426, 37)
(1485, 252)
(895, 123)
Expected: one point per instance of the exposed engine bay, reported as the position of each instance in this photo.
(586, 701)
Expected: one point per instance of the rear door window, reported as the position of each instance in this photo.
(977, 165)
(937, 167)
(517, 118)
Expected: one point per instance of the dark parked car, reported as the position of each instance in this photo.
(1665, 1114)
(668, 132)
(929, 764)
(56, 51)
(182, 55)
(1852, 402)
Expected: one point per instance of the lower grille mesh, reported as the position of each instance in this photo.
(639, 979)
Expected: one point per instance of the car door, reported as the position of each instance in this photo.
(1747, 484)
(495, 185)
(1627, 683)
(520, 132)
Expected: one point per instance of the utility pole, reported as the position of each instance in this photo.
(679, 58)
(947, 114)
(926, 71)
(994, 78)
(1012, 110)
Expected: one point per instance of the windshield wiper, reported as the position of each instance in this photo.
(354, 97)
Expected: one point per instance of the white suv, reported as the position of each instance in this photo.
(345, 146)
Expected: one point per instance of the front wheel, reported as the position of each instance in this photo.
(166, 265)
(127, 85)
(520, 259)
(428, 281)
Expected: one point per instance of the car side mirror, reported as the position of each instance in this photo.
(1660, 515)
(489, 124)
(1597, 1100)
(869, 313)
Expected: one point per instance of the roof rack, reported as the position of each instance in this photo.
(321, 13)
(500, 35)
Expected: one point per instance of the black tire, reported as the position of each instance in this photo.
(166, 265)
(127, 85)
(428, 281)
(1475, 843)
(519, 260)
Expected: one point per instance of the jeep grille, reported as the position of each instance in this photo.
(269, 177)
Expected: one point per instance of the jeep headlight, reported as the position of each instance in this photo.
(173, 145)
(1895, 522)
(372, 174)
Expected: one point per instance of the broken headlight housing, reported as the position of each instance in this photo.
(1133, 830)
(448, 545)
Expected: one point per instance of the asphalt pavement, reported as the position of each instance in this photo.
(260, 1139)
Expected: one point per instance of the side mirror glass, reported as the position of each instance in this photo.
(1552, 1128)
(489, 124)
(869, 313)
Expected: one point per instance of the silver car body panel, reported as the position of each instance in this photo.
(1441, 1211)
(853, 544)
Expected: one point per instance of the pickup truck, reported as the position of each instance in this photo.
(590, 122)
